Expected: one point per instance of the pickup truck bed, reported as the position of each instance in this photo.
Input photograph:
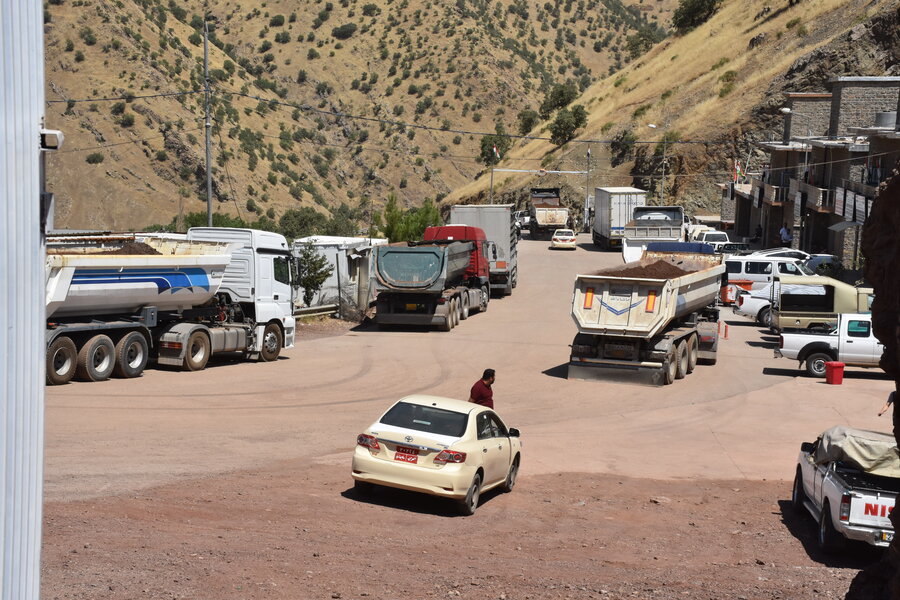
(863, 481)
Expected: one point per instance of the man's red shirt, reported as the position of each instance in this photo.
(482, 394)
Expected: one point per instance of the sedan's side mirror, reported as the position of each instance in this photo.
(513, 432)
(808, 447)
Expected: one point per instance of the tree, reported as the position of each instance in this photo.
(301, 222)
(406, 225)
(580, 115)
(558, 97)
(621, 147)
(314, 271)
(500, 141)
(691, 13)
(562, 129)
(528, 119)
(343, 222)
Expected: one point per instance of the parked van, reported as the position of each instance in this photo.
(750, 272)
(815, 302)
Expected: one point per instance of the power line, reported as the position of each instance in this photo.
(126, 98)
(100, 147)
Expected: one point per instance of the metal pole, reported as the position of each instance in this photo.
(587, 190)
(492, 187)
(209, 211)
(337, 263)
(663, 191)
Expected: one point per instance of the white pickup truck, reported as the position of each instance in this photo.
(849, 480)
(851, 342)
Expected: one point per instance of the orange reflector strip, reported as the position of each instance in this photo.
(589, 298)
(501, 264)
(651, 301)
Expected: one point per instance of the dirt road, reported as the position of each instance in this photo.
(234, 482)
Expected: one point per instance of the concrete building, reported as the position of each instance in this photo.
(351, 260)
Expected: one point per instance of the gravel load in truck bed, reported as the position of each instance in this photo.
(659, 269)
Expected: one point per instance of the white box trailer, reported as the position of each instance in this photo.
(499, 226)
(657, 313)
(613, 209)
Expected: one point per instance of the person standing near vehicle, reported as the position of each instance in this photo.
(786, 237)
(481, 393)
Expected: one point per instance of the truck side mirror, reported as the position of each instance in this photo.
(494, 248)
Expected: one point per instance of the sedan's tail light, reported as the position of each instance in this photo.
(450, 456)
(368, 441)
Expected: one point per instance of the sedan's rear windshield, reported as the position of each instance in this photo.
(565, 232)
(426, 418)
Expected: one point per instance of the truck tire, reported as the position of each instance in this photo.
(798, 496)
(692, 352)
(96, 359)
(830, 540)
(670, 368)
(764, 318)
(197, 354)
(61, 361)
(132, 353)
(271, 343)
(485, 298)
(815, 364)
(681, 359)
(464, 310)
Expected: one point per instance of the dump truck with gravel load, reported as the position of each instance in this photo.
(115, 302)
(547, 212)
(657, 314)
(438, 281)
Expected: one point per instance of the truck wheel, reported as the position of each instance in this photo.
(815, 364)
(670, 368)
(464, 311)
(830, 539)
(798, 496)
(681, 360)
(132, 353)
(692, 352)
(197, 354)
(271, 343)
(764, 318)
(61, 361)
(96, 359)
(485, 298)
(470, 502)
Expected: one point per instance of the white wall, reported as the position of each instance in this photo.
(21, 299)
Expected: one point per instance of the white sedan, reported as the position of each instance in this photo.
(563, 238)
(440, 447)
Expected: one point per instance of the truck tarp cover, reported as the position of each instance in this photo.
(869, 451)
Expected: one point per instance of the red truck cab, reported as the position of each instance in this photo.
(479, 264)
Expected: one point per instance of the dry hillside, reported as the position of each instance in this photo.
(714, 90)
(314, 103)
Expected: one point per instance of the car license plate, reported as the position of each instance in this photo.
(412, 306)
(887, 536)
(404, 454)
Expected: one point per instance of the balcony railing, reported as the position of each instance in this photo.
(818, 198)
(860, 188)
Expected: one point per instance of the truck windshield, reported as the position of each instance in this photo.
(426, 418)
(715, 237)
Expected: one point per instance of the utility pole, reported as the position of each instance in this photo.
(209, 210)
(587, 190)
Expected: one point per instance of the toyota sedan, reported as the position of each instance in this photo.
(563, 238)
(438, 446)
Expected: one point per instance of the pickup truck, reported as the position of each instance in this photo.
(848, 480)
(851, 342)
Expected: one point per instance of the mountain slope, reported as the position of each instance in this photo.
(287, 80)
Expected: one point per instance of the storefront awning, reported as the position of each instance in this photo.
(844, 225)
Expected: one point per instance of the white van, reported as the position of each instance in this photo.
(751, 272)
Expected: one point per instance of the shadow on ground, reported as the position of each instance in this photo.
(802, 525)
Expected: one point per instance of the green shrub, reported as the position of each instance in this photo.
(802, 31)
(640, 111)
(87, 35)
(79, 56)
(691, 13)
(726, 89)
(276, 21)
(161, 156)
(94, 158)
(720, 63)
(792, 23)
(728, 76)
(344, 32)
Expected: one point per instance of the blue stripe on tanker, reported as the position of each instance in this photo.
(164, 279)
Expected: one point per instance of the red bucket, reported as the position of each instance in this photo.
(834, 372)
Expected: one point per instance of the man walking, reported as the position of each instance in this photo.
(482, 393)
(786, 237)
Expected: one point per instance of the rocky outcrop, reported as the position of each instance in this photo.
(881, 249)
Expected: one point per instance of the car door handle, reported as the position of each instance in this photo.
(849, 341)
(276, 296)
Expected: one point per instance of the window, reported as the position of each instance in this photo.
(426, 418)
(282, 270)
(789, 269)
(732, 266)
(758, 268)
(484, 425)
(498, 429)
(858, 329)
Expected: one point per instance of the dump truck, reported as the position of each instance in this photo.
(547, 212)
(436, 282)
(499, 226)
(651, 224)
(657, 314)
(115, 302)
(613, 209)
